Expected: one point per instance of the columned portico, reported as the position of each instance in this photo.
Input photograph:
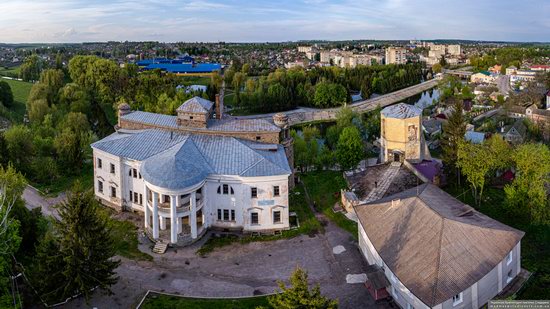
(173, 219)
(193, 215)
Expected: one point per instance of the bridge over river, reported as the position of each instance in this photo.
(306, 114)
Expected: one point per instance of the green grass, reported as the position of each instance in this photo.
(308, 225)
(126, 241)
(10, 72)
(195, 80)
(64, 183)
(323, 188)
(535, 245)
(21, 92)
(173, 302)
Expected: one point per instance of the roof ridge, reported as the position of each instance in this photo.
(200, 152)
(438, 264)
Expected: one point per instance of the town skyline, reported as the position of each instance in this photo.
(75, 21)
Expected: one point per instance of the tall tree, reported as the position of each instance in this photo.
(298, 295)
(453, 133)
(6, 95)
(349, 150)
(475, 161)
(31, 68)
(86, 244)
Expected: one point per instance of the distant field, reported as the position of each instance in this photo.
(195, 80)
(21, 92)
(11, 72)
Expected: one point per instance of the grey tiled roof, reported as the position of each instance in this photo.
(226, 125)
(196, 105)
(177, 161)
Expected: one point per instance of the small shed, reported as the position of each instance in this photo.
(377, 283)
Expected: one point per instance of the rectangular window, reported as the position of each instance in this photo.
(254, 192)
(510, 276)
(226, 215)
(457, 299)
(131, 195)
(99, 163)
(141, 199)
(135, 172)
(225, 189)
(258, 138)
(232, 215)
(276, 191)
(130, 172)
(276, 217)
(100, 186)
(135, 197)
(166, 199)
(113, 192)
(219, 214)
(509, 258)
(254, 219)
(112, 168)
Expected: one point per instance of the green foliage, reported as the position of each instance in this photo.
(6, 95)
(329, 95)
(475, 161)
(453, 132)
(11, 188)
(349, 150)
(78, 256)
(19, 146)
(31, 68)
(436, 68)
(527, 196)
(298, 295)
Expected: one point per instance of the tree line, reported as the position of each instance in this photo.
(320, 87)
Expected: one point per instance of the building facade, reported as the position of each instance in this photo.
(185, 180)
(437, 252)
(401, 134)
(396, 55)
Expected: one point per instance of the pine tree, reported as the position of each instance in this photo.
(453, 132)
(298, 295)
(86, 245)
(48, 272)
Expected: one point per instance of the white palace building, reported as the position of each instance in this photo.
(196, 170)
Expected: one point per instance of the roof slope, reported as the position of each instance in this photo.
(176, 161)
(401, 111)
(436, 245)
(196, 105)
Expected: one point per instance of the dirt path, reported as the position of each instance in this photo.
(33, 199)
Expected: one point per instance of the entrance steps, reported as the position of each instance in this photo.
(160, 248)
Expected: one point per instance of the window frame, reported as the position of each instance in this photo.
(225, 189)
(254, 215)
(100, 186)
(253, 192)
(232, 215)
(226, 215)
(458, 299)
(113, 192)
(99, 163)
(112, 169)
(510, 258)
(131, 196)
(278, 212)
(219, 215)
(276, 191)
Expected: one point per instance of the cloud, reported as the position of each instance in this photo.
(262, 20)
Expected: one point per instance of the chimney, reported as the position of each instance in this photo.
(219, 105)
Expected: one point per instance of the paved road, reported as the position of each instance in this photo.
(503, 84)
(305, 114)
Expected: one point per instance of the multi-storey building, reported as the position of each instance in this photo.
(396, 55)
(196, 170)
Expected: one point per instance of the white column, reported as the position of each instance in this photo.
(147, 211)
(162, 223)
(155, 215)
(178, 220)
(173, 219)
(193, 215)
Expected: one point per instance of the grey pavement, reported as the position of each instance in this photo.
(33, 199)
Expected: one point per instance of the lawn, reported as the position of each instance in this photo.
(10, 72)
(323, 188)
(125, 240)
(164, 301)
(195, 80)
(21, 92)
(535, 245)
(308, 225)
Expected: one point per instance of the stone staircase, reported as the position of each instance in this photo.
(383, 186)
(160, 248)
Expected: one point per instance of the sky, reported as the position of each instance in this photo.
(50, 21)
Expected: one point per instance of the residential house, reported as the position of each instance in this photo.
(437, 252)
(515, 133)
(482, 77)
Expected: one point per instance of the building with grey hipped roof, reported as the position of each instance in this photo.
(196, 170)
(436, 251)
